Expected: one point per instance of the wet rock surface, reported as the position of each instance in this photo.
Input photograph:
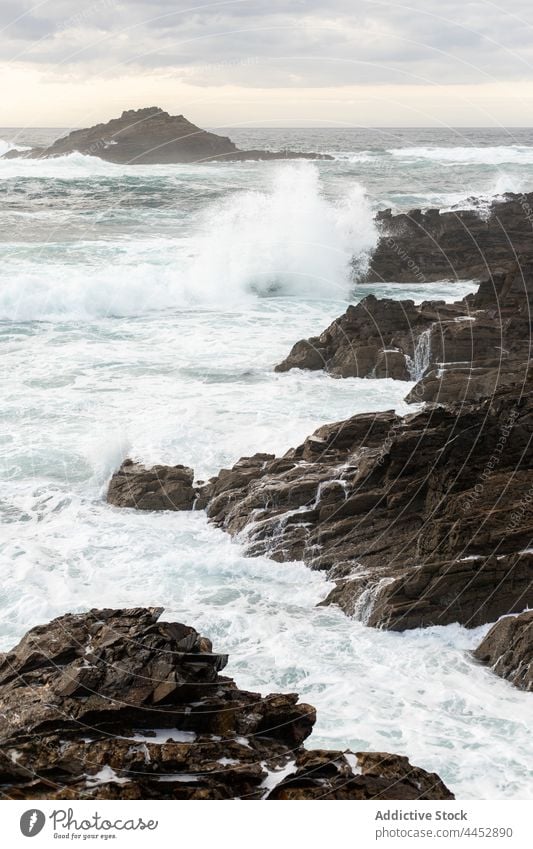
(508, 649)
(418, 247)
(458, 352)
(377, 338)
(151, 136)
(114, 704)
(155, 488)
(420, 521)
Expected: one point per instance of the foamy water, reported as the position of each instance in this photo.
(141, 313)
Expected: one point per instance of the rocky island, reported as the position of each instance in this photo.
(151, 136)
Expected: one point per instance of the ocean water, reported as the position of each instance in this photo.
(141, 312)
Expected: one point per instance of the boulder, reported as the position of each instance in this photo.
(363, 775)
(156, 488)
(508, 649)
(114, 704)
(376, 338)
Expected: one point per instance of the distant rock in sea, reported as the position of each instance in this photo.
(149, 137)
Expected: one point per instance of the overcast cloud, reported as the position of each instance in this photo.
(282, 42)
(240, 48)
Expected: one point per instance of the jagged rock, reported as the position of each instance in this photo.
(470, 590)
(471, 382)
(156, 488)
(374, 338)
(486, 336)
(365, 775)
(420, 521)
(418, 247)
(113, 704)
(151, 136)
(508, 649)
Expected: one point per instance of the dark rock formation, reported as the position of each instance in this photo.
(418, 247)
(113, 704)
(157, 488)
(508, 649)
(365, 775)
(420, 521)
(151, 136)
(379, 337)
(454, 382)
(463, 351)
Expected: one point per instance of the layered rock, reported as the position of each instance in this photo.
(508, 649)
(113, 704)
(379, 337)
(459, 352)
(151, 136)
(423, 520)
(418, 247)
(420, 521)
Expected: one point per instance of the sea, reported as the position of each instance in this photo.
(142, 310)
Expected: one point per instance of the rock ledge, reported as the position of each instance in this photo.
(113, 704)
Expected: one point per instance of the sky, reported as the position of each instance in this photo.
(66, 63)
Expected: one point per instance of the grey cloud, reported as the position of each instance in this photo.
(281, 42)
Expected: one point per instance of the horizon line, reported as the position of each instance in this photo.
(300, 127)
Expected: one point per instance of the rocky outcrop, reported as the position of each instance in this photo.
(454, 382)
(420, 521)
(151, 136)
(379, 337)
(508, 649)
(423, 520)
(418, 247)
(458, 352)
(155, 488)
(114, 704)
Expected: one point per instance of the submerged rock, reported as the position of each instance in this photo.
(508, 649)
(152, 136)
(155, 488)
(113, 704)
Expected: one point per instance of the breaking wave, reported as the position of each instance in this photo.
(288, 240)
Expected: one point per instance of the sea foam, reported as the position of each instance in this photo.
(495, 155)
(287, 239)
